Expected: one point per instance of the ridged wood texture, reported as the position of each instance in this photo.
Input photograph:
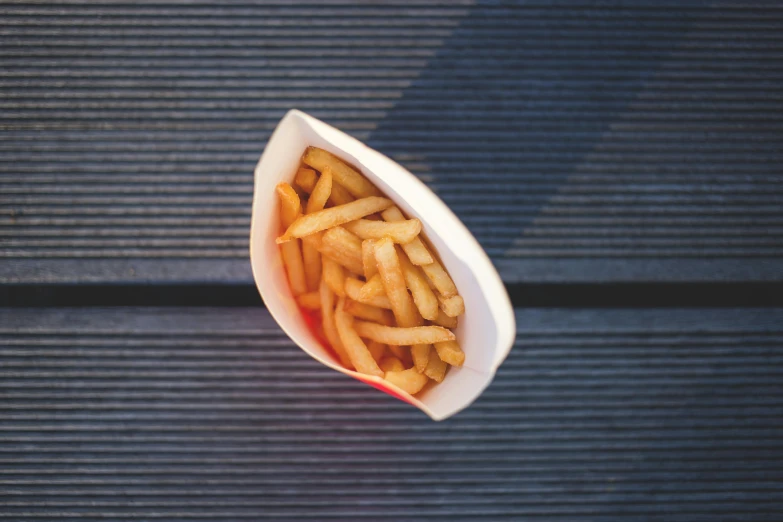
(606, 142)
(213, 414)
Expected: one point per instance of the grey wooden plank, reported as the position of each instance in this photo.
(527, 271)
(212, 414)
(580, 143)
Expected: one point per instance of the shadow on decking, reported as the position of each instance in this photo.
(520, 99)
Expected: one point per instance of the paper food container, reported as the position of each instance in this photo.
(486, 331)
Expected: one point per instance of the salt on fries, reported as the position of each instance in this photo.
(386, 303)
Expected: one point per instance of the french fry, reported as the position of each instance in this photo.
(403, 353)
(450, 352)
(353, 289)
(320, 192)
(416, 251)
(440, 279)
(314, 240)
(343, 229)
(409, 381)
(290, 208)
(372, 288)
(418, 318)
(290, 204)
(306, 179)
(376, 350)
(369, 312)
(346, 262)
(339, 195)
(444, 320)
(310, 300)
(391, 364)
(329, 326)
(348, 245)
(357, 351)
(400, 232)
(452, 306)
(436, 369)
(423, 297)
(336, 251)
(421, 356)
(312, 260)
(332, 217)
(368, 259)
(312, 265)
(310, 244)
(334, 275)
(345, 175)
(291, 253)
(394, 283)
(398, 336)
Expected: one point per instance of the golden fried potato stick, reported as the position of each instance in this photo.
(417, 252)
(421, 356)
(423, 296)
(345, 175)
(360, 356)
(311, 245)
(290, 208)
(332, 217)
(398, 336)
(320, 193)
(306, 179)
(353, 289)
(440, 279)
(409, 380)
(368, 258)
(444, 320)
(400, 232)
(315, 240)
(450, 352)
(394, 283)
(369, 312)
(312, 265)
(377, 350)
(346, 262)
(405, 311)
(436, 369)
(338, 252)
(341, 241)
(372, 288)
(453, 306)
(310, 301)
(334, 275)
(310, 253)
(290, 204)
(291, 253)
(329, 326)
(402, 353)
(391, 364)
(339, 195)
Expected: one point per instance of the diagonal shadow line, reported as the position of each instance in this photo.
(507, 110)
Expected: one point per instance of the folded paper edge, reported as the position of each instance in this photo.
(505, 338)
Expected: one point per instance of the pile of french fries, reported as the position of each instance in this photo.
(386, 303)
